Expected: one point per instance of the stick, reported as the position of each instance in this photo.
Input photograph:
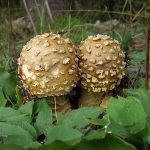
(100, 11)
(147, 58)
(29, 16)
(49, 11)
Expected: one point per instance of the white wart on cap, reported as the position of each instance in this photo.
(101, 63)
(48, 65)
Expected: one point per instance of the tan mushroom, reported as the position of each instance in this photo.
(48, 66)
(101, 63)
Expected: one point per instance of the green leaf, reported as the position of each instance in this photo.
(62, 133)
(128, 113)
(15, 128)
(10, 115)
(97, 121)
(28, 127)
(116, 143)
(108, 143)
(27, 108)
(117, 129)
(57, 145)
(143, 97)
(44, 116)
(95, 134)
(144, 134)
(22, 141)
(4, 75)
(10, 86)
(3, 100)
(10, 147)
(7, 129)
(80, 118)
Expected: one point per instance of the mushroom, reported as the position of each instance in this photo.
(101, 66)
(48, 66)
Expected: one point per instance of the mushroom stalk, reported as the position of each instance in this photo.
(93, 99)
(60, 104)
(90, 98)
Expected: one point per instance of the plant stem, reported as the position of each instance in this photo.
(30, 17)
(147, 58)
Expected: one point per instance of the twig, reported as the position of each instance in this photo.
(49, 11)
(112, 26)
(147, 58)
(100, 11)
(29, 16)
(124, 6)
(130, 9)
(139, 12)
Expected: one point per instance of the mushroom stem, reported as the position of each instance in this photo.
(55, 108)
(93, 99)
(60, 104)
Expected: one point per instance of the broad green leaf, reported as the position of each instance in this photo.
(16, 129)
(27, 108)
(127, 112)
(116, 143)
(117, 129)
(62, 133)
(108, 143)
(57, 145)
(102, 122)
(144, 134)
(7, 129)
(28, 127)
(143, 96)
(95, 134)
(22, 141)
(80, 118)
(3, 100)
(10, 86)
(44, 116)
(10, 115)
(4, 75)
(10, 147)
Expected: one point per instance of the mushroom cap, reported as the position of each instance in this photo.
(48, 65)
(101, 63)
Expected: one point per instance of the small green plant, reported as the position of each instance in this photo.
(124, 125)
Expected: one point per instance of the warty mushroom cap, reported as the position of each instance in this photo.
(101, 63)
(48, 65)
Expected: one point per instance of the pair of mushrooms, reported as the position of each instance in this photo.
(50, 65)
